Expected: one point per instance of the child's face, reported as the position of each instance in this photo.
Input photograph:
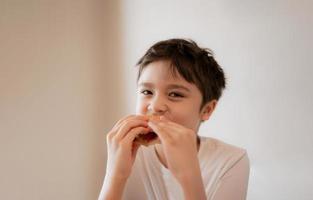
(158, 92)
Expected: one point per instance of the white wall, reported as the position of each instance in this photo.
(265, 48)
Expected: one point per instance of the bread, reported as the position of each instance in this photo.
(148, 138)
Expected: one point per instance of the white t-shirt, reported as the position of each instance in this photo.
(224, 170)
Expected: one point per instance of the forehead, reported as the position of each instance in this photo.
(161, 71)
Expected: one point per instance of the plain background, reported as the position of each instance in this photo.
(67, 74)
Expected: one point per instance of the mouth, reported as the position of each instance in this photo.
(146, 139)
(151, 137)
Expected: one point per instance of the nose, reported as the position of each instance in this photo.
(158, 105)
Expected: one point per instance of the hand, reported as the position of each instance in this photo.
(121, 147)
(180, 147)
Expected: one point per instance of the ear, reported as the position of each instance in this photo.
(208, 109)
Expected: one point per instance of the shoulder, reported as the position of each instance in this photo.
(223, 155)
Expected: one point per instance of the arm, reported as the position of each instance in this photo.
(233, 185)
(112, 189)
(193, 186)
(180, 148)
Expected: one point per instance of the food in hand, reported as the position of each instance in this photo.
(148, 138)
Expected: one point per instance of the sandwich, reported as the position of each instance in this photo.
(150, 138)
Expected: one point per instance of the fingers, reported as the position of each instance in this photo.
(122, 127)
(160, 130)
(131, 135)
(128, 125)
(129, 117)
(169, 131)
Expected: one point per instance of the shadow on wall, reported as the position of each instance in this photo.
(61, 91)
(110, 99)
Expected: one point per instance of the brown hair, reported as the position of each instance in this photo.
(196, 65)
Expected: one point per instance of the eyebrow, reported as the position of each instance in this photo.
(170, 86)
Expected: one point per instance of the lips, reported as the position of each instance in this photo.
(147, 139)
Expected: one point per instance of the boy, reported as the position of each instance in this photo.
(180, 83)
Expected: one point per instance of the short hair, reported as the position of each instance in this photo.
(196, 65)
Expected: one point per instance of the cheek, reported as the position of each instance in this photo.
(187, 117)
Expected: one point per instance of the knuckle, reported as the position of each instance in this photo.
(123, 125)
(128, 122)
(120, 121)
(125, 118)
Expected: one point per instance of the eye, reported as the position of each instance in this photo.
(146, 92)
(175, 95)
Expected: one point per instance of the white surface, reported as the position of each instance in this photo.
(265, 48)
